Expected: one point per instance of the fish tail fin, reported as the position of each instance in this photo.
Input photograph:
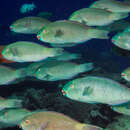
(117, 16)
(21, 73)
(15, 103)
(85, 67)
(76, 56)
(57, 51)
(98, 33)
(80, 126)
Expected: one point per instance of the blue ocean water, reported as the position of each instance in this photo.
(98, 51)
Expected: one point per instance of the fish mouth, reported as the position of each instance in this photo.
(38, 37)
(11, 28)
(122, 74)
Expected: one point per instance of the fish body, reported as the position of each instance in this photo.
(60, 70)
(13, 115)
(112, 5)
(122, 40)
(10, 103)
(93, 89)
(29, 25)
(24, 51)
(126, 74)
(66, 56)
(117, 26)
(66, 33)
(123, 109)
(103, 17)
(53, 121)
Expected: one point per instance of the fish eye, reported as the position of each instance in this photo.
(27, 122)
(63, 92)
(119, 37)
(122, 74)
(44, 31)
(72, 86)
(112, 40)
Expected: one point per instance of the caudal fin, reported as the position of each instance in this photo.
(98, 33)
(118, 16)
(57, 51)
(85, 67)
(15, 103)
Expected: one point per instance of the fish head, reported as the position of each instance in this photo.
(50, 34)
(19, 27)
(119, 40)
(71, 90)
(27, 124)
(41, 73)
(33, 122)
(7, 53)
(46, 34)
(125, 74)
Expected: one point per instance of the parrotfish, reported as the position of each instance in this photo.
(93, 89)
(61, 70)
(29, 25)
(66, 33)
(103, 17)
(53, 121)
(112, 5)
(24, 51)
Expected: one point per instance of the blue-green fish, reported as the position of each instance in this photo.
(122, 40)
(93, 89)
(111, 5)
(66, 33)
(103, 17)
(123, 109)
(24, 51)
(60, 70)
(29, 25)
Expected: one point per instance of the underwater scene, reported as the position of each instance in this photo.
(65, 65)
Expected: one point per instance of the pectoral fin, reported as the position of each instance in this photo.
(59, 33)
(43, 126)
(87, 91)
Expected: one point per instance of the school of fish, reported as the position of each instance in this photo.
(54, 63)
